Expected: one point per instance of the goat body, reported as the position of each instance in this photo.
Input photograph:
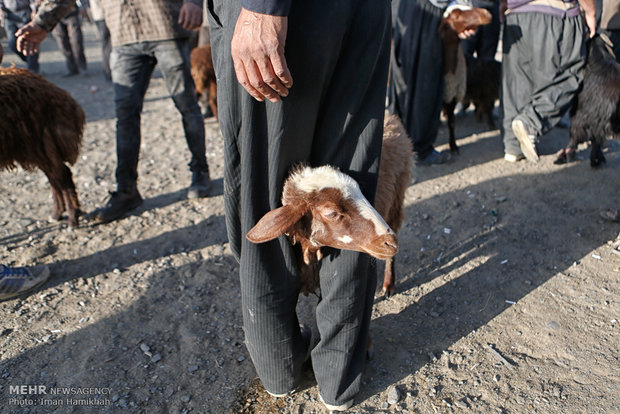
(325, 207)
(455, 21)
(203, 74)
(42, 126)
(483, 86)
(596, 114)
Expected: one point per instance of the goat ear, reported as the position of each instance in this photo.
(275, 223)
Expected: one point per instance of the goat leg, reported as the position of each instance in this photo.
(597, 159)
(59, 206)
(566, 155)
(490, 119)
(388, 278)
(449, 111)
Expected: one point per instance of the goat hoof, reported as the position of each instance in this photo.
(597, 159)
(597, 163)
(565, 156)
(387, 292)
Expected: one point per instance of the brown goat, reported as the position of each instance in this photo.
(42, 127)
(325, 207)
(203, 74)
(455, 21)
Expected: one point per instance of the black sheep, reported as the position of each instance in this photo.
(596, 113)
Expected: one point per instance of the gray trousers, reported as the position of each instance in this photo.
(338, 54)
(542, 70)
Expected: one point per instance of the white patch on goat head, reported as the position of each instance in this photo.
(310, 179)
(345, 239)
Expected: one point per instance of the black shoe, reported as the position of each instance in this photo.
(201, 185)
(118, 204)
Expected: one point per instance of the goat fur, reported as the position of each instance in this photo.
(203, 74)
(42, 126)
(297, 220)
(595, 115)
(454, 65)
(483, 87)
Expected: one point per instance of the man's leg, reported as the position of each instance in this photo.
(62, 40)
(327, 118)
(416, 79)
(516, 82)
(132, 68)
(558, 53)
(173, 59)
(76, 39)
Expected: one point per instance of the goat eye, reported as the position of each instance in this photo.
(332, 215)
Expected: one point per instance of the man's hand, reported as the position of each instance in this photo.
(467, 33)
(589, 9)
(591, 23)
(190, 16)
(257, 50)
(29, 38)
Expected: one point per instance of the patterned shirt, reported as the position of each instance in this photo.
(129, 21)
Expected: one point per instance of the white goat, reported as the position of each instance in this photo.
(325, 207)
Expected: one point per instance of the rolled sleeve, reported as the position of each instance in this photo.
(271, 7)
(51, 11)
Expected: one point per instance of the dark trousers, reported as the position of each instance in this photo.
(338, 55)
(13, 21)
(68, 35)
(132, 66)
(415, 92)
(542, 70)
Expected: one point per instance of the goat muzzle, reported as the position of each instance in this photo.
(383, 247)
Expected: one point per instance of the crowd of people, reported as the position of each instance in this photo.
(306, 82)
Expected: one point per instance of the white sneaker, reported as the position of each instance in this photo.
(341, 407)
(526, 139)
(514, 158)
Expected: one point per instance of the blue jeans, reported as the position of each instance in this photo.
(13, 21)
(132, 66)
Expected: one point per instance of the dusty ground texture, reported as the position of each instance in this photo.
(507, 299)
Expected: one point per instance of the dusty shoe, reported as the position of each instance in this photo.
(526, 138)
(513, 157)
(17, 280)
(118, 205)
(341, 407)
(201, 185)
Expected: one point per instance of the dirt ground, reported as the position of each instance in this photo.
(507, 295)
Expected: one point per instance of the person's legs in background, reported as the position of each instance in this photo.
(174, 63)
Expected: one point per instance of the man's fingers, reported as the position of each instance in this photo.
(259, 83)
(268, 76)
(280, 68)
(244, 80)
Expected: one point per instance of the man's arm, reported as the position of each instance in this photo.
(590, 15)
(257, 49)
(30, 36)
